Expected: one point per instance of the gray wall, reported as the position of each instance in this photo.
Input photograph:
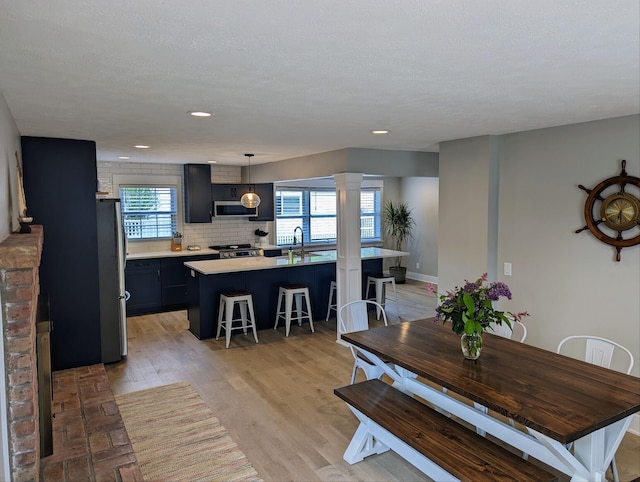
(464, 214)
(367, 161)
(569, 282)
(9, 144)
(421, 194)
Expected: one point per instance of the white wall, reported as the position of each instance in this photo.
(9, 145)
(569, 282)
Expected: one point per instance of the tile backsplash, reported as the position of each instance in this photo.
(220, 231)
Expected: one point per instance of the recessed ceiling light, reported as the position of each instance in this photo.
(380, 131)
(123, 157)
(199, 113)
(212, 162)
(141, 146)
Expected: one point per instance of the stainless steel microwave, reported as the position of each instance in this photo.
(231, 209)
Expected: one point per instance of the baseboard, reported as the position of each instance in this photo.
(422, 277)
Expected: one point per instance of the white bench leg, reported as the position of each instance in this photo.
(362, 445)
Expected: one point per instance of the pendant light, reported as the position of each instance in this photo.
(250, 199)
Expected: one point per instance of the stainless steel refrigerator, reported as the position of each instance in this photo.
(111, 263)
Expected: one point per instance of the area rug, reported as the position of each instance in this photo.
(175, 437)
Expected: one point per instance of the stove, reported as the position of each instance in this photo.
(237, 250)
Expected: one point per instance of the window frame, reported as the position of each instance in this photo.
(123, 180)
(306, 217)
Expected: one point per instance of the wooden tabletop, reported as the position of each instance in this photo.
(558, 396)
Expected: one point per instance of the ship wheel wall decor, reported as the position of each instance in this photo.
(612, 211)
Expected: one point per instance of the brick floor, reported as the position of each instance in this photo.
(90, 441)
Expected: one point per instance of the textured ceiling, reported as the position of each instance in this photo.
(288, 78)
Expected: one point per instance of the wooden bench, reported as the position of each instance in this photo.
(440, 447)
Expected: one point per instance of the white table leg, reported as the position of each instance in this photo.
(596, 450)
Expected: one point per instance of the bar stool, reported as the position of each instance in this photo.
(332, 305)
(380, 281)
(228, 300)
(290, 293)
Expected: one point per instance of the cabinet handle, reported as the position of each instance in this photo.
(158, 274)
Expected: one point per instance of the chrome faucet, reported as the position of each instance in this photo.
(295, 240)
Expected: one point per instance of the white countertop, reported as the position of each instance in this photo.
(185, 252)
(217, 266)
(171, 254)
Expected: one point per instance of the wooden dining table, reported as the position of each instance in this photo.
(557, 399)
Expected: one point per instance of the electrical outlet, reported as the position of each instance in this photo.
(418, 265)
(507, 269)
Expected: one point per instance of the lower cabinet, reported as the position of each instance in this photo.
(158, 284)
(173, 274)
(142, 281)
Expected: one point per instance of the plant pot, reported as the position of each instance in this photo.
(399, 273)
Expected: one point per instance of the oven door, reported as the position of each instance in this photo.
(222, 209)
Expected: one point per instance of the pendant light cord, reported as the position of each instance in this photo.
(249, 156)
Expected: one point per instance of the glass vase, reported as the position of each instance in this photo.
(471, 345)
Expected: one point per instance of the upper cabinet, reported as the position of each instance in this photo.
(228, 192)
(197, 193)
(265, 210)
(233, 192)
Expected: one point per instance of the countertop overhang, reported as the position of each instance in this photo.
(217, 266)
(170, 254)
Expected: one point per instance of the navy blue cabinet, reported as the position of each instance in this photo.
(173, 280)
(142, 281)
(158, 284)
(228, 192)
(203, 299)
(197, 193)
(60, 183)
(265, 210)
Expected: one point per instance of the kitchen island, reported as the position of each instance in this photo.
(262, 277)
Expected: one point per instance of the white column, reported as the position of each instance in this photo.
(348, 263)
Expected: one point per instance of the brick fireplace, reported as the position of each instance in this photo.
(19, 288)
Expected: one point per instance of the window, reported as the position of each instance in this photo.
(314, 210)
(149, 212)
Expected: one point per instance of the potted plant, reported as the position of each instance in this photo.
(470, 311)
(398, 224)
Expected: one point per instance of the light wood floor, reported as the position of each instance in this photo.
(276, 397)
